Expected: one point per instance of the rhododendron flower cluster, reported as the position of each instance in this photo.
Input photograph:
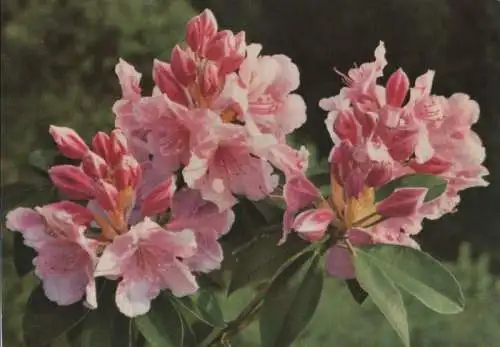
(147, 204)
(381, 133)
(210, 109)
(121, 232)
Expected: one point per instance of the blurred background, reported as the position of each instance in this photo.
(58, 60)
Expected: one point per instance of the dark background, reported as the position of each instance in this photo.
(58, 60)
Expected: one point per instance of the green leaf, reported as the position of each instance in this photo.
(44, 321)
(358, 293)
(291, 301)
(106, 326)
(204, 307)
(261, 259)
(163, 325)
(419, 274)
(435, 185)
(23, 256)
(383, 292)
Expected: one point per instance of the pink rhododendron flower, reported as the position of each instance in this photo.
(190, 211)
(381, 133)
(211, 108)
(146, 259)
(65, 258)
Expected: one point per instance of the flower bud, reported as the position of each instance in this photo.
(165, 80)
(94, 166)
(158, 200)
(127, 173)
(117, 146)
(403, 202)
(397, 88)
(379, 174)
(312, 224)
(101, 144)
(227, 50)
(199, 30)
(68, 142)
(299, 192)
(210, 81)
(72, 181)
(106, 195)
(183, 66)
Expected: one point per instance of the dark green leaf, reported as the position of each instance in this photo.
(356, 291)
(163, 325)
(419, 274)
(383, 293)
(106, 326)
(435, 185)
(45, 321)
(262, 258)
(23, 256)
(291, 301)
(204, 307)
(17, 193)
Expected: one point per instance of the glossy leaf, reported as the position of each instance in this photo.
(291, 301)
(262, 258)
(435, 185)
(44, 321)
(163, 325)
(419, 274)
(384, 293)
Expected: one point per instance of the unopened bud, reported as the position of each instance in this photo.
(127, 173)
(106, 195)
(210, 80)
(397, 88)
(167, 83)
(68, 142)
(158, 200)
(101, 144)
(72, 181)
(199, 30)
(183, 66)
(312, 224)
(94, 166)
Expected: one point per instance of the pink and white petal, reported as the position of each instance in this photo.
(65, 289)
(313, 220)
(292, 115)
(30, 224)
(133, 297)
(209, 255)
(112, 260)
(178, 278)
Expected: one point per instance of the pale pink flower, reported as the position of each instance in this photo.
(223, 165)
(65, 258)
(190, 211)
(147, 260)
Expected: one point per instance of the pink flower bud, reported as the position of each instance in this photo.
(233, 60)
(200, 30)
(101, 144)
(158, 200)
(210, 81)
(127, 173)
(403, 202)
(312, 224)
(183, 66)
(68, 142)
(118, 146)
(397, 88)
(165, 80)
(72, 181)
(106, 195)
(94, 166)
